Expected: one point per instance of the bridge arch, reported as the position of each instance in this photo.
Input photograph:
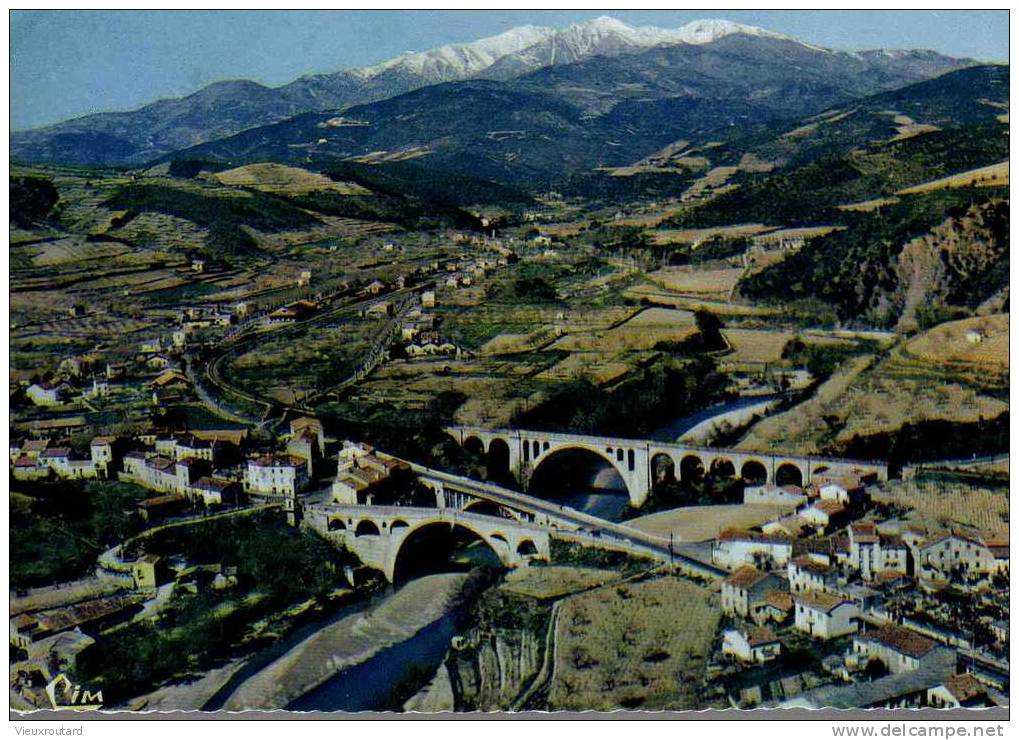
(723, 467)
(474, 446)
(691, 467)
(663, 468)
(484, 506)
(336, 524)
(367, 528)
(754, 472)
(616, 462)
(498, 459)
(527, 548)
(413, 538)
(788, 474)
(397, 524)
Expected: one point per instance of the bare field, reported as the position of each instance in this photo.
(642, 645)
(757, 345)
(700, 523)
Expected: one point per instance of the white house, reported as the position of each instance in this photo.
(756, 645)
(871, 553)
(735, 547)
(806, 574)
(825, 514)
(825, 615)
(276, 475)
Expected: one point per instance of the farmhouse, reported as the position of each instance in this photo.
(825, 615)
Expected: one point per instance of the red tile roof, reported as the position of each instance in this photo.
(902, 640)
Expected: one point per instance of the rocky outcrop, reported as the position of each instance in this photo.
(494, 668)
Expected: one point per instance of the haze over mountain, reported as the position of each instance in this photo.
(690, 64)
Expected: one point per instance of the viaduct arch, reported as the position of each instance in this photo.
(636, 460)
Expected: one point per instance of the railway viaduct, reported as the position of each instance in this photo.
(523, 452)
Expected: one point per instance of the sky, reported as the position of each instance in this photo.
(69, 63)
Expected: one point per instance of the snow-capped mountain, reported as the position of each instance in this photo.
(226, 108)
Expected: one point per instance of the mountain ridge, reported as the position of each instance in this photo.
(228, 107)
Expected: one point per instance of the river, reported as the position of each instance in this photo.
(371, 657)
(675, 429)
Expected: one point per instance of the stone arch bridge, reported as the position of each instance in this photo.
(376, 534)
(523, 452)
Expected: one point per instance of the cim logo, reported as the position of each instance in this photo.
(64, 694)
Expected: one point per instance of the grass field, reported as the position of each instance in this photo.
(699, 523)
(936, 504)
(757, 345)
(640, 645)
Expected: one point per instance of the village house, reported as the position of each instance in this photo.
(792, 526)
(735, 547)
(962, 551)
(848, 490)
(428, 299)
(824, 615)
(756, 645)
(745, 591)
(897, 648)
(380, 309)
(276, 475)
(187, 446)
(772, 494)
(65, 464)
(825, 514)
(296, 311)
(144, 572)
(102, 450)
(151, 346)
(157, 508)
(806, 574)
(360, 470)
(48, 393)
(215, 491)
(871, 553)
(962, 690)
(163, 474)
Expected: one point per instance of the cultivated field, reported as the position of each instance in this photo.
(277, 178)
(936, 504)
(994, 175)
(948, 343)
(694, 236)
(640, 645)
(641, 332)
(689, 280)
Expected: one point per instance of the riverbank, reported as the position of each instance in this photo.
(352, 641)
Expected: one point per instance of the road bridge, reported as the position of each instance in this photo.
(378, 534)
(524, 452)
